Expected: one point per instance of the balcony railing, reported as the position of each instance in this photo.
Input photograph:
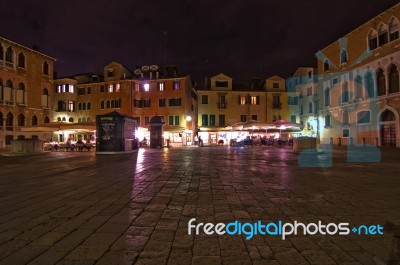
(222, 105)
(276, 106)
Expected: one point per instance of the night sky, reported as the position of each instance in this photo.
(241, 38)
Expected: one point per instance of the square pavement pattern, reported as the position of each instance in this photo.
(79, 208)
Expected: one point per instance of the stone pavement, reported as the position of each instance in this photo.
(78, 208)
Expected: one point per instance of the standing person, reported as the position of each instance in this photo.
(200, 141)
(196, 140)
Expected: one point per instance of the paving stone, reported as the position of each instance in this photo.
(118, 258)
(209, 260)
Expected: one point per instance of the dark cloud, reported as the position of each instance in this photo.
(240, 38)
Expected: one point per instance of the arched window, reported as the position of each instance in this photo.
(34, 120)
(46, 120)
(83, 119)
(71, 119)
(112, 103)
(9, 121)
(21, 86)
(327, 120)
(358, 87)
(393, 79)
(79, 120)
(327, 97)
(59, 119)
(21, 120)
(369, 84)
(108, 104)
(45, 92)
(345, 118)
(9, 55)
(310, 107)
(21, 60)
(9, 83)
(88, 105)
(343, 57)
(84, 105)
(382, 34)
(64, 119)
(372, 40)
(326, 65)
(393, 29)
(387, 115)
(381, 81)
(345, 92)
(45, 68)
(364, 117)
(79, 106)
(102, 104)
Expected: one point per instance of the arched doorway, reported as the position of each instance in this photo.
(388, 131)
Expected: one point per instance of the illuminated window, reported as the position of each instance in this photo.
(254, 100)
(137, 87)
(242, 100)
(71, 106)
(117, 87)
(146, 87)
(176, 85)
(160, 86)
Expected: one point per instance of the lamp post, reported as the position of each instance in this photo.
(188, 130)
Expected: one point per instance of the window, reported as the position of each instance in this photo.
(343, 57)
(326, 65)
(137, 103)
(34, 120)
(102, 104)
(212, 120)
(89, 105)
(204, 120)
(176, 85)
(89, 90)
(111, 88)
(161, 102)
(293, 118)
(372, 40)
(253, 117)
(275, 85)
(45, 68)
(223, 84)
(174, 102)
(112, 104)
(328, 120)
(364, 117)
(255, 100)
(146, 103)
(137, 87)
(110, 73)
(173, 120)
(301, 109)
(204, 99)
(146, 120)
(292, 100)
(117, 87)
(346, 132)
(369, 83)
(221, 102)
(310, 107)
(327, 97)
(243, 118)
(393, 29)
(108, 104)
(137, 119)
(221, 119)
(146, 87)
(102, 89)
(79, 106)
(46, 120)
(393, 79)
(21, 120)
(21, 60)
(345, 92)
(160, 86)
(81, 91)
(9, 56)
(71, 119)
(382, 35)
(274, 118)
(242, 100)
(309, 74)
(276, 102)
(177, 120)
(358, 87)
(381, 81)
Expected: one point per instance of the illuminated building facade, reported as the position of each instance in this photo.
(26, 81)
(358, 84)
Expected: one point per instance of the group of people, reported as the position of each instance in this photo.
(198, 141)
(79, 145)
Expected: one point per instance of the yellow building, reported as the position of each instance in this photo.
(358, 91)
(26, 81)
(224, 106)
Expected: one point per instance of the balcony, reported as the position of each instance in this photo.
(222, 105)
(276, 105)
